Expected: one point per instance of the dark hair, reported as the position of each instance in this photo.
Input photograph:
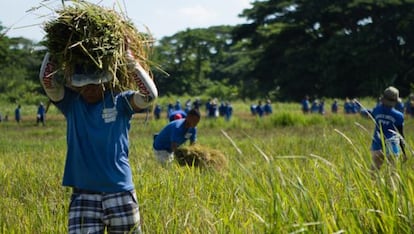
(194, 112)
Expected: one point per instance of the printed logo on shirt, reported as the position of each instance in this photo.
(109, 115)
(188, 135)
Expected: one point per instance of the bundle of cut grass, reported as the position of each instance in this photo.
(96, 38)
(201, 156)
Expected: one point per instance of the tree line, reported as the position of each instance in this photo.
(284, 51)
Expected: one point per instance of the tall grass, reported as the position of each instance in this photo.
(287, 173)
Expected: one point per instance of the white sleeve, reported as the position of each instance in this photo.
(53, 89)
(145, 84)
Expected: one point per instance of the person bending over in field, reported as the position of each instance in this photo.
(97, 165)
(388, 130)
(175, 134)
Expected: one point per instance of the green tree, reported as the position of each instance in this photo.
(20, 61)
(329, 47)
(194, 60)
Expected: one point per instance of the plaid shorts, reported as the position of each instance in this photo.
(97, 212)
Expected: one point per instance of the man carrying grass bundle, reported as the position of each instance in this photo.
(175, 134)
(388, 132)
(98, 103)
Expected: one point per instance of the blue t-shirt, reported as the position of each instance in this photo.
(174, 132)
(259, 110)
(97, 140)
(305, 105)
(268, 108)
(389, 119)
(229, 111)
(334, 107)
(41, 110)
(17, 114)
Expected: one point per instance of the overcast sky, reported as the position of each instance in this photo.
(161, 17)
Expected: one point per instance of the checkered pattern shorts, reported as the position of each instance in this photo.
(95, 213)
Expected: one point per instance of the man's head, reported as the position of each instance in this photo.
(193, 117)
(390, 96)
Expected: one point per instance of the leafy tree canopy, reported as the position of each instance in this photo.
(330, 47)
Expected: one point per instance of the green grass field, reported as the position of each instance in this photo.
(287, 173)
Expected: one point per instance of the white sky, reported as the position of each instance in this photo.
(161, 17)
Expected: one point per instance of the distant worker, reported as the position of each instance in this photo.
(348, 106)
(409, 105)
(17, 113)
(174, 135)
(334, 106)
(400, 105)
(321, 107)
(259, 109)
(170, 108)
(388, 130)
(187, 105)
(213, 109)
(229, 111)
(157, 111)
(41, 113)
(305, 105)
(268, 107)
(222, 109)
(315, 106)
(197, 104)
(177, 105)
(253, 109)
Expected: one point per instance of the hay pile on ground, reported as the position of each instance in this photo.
(201, 156)
(96, 37)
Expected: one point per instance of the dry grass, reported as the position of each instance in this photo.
(98, 38)
(201, 156)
